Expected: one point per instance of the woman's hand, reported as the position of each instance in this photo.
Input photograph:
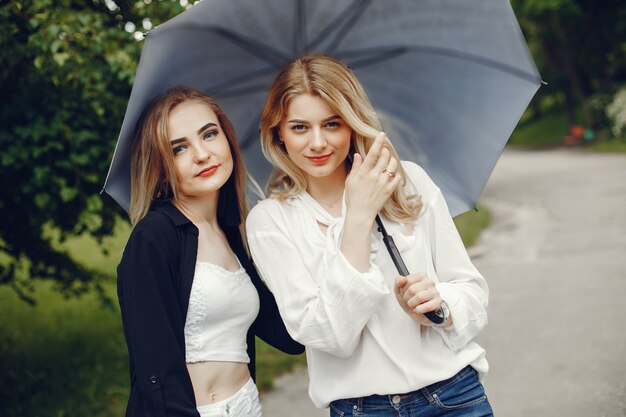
(371, 181)
(417, 295)
(368, 186)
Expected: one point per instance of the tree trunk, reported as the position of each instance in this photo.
(566, 56)
(593, 27)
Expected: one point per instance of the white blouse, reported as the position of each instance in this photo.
(358, 339)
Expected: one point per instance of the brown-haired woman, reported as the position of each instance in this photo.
(190, 297)
(370, 348)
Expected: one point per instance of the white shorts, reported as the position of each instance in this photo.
(244, 403)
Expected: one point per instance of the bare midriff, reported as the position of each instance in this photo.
(217, 381)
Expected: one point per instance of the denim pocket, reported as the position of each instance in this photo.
(336, 412)
(465, 392)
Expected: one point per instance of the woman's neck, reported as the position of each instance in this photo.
(199, 210)
(327, 190)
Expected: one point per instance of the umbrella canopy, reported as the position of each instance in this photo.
(449, 78)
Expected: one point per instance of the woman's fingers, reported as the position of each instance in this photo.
(422, 297)
(392, 166)
(430, 305)
(374, 152)
(381, 162)
(357, 161)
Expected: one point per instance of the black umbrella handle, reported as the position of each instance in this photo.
(436, 316)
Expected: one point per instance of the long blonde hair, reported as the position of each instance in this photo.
(333, 82)
(152, 173)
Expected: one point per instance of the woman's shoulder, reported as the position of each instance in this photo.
(154, 222)
(271, 211)
(271, 206)
(155, 227)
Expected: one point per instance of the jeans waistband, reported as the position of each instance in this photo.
(421, 395)
(242, 399)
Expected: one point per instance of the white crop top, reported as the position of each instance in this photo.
(222, 306)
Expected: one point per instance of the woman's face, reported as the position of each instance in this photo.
(317, 139)
(202, 157)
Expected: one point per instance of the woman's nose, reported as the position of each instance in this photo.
(201, 152)
(317, 139)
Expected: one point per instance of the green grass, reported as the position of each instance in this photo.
(545, 132)
(271, 363)
(67, 357)
(60, 358)
(613, 145)
(471, 223)
(548, 131)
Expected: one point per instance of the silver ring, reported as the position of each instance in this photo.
(389, 172)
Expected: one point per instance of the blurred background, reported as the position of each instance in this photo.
(66, 75)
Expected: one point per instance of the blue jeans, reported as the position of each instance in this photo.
(462, 395)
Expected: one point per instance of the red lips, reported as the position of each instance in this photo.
(319, 159)
(208, 171)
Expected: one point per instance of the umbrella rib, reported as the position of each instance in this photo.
(299, 29)
(349, 24)
(263, 51)
(248, 137)
(367, 57)
(341, 24)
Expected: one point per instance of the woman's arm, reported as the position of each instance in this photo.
(328, 316)
(269, 325)
(153, 322)
(460, 285)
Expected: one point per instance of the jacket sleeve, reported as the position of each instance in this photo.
(326, 308)
(153, 322)
(269, 325)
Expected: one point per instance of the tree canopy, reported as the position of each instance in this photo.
(66, 74)
(580, 49)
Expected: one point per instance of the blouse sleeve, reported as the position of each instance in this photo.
(328, 316)
(460, 285)
(153, 322)
(269, 325)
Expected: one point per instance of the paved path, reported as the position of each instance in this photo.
(555, 260)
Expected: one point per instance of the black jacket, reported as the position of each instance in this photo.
(154, 283)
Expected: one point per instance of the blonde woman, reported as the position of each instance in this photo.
(190, 298)
(370, 349)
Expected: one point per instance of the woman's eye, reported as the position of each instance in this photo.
(178, 149)
(333, 124)
(298, 128)
(209, 134)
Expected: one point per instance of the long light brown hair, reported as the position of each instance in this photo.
(338, 87)
(152, 173)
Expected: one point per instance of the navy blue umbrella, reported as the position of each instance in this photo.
(448, 78)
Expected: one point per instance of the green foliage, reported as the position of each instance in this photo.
(580, 49)
(66, 74)
(616, 111)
